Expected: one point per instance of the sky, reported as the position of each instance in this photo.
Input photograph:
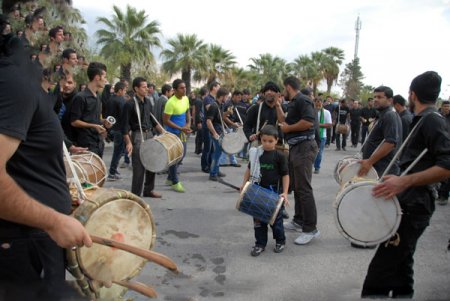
(399, 39)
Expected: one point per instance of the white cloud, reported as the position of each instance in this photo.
(399, 39)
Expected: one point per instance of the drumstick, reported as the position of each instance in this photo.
(139, 287)
(228, 184)
(155, 257)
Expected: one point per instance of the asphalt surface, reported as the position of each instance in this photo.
(211, 241)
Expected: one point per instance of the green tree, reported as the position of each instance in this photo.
(351, 79)
(366, 92)
(309, 69)
(128, 38)
(217, 65)
(330, 65)
(269, 68)
(186, 54)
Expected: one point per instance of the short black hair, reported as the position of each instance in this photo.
(398, 99)
(236, 92)
(245, 92)
(52, 32)
(386, 90)
(222, 92)
(293, 82)
(212, 85)
(94, 69)
(427, 87)
(270, 86)
(137, 82)
(166, 88)
(67, 52)
(177, 82)
(446, 102)
(269, 130)
(203, 91)
(119, 86)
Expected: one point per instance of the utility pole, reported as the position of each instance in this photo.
(357, 28)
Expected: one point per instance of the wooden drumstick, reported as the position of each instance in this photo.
(155, 257)
(139, 287)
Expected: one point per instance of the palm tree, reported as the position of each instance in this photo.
(332, 60)
(128, 38)
(219, 63)
(186, 54)
(270, 68)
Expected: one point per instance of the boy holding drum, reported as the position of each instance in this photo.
(268, 168)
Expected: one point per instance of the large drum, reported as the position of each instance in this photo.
(364, 219)
(350, 171)
(89, 168)
(342, 129)
(341, 164)
(118, 215)
(233, 142)
(161, 152)
(261, 203)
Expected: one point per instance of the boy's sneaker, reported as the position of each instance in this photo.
(178, 187)
(292, 226)
(306, 237)
(114, 177)
(279, 248)
(256, 251)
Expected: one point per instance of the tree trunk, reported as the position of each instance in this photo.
(329, 85)
(186, 77)
(125, 71)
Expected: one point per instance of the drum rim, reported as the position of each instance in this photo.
(72, 256)
(238, 134)
(277, 210)
(241, 196)
(99, 182)
(346, 235)
(157, 139)
(372, 169)
(338, 165)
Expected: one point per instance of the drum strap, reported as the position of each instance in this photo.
(259, 118)
(81, 194)
(138, 112)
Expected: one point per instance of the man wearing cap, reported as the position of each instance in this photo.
(391, 269)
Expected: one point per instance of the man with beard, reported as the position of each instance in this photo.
(391, 269)
(387, 131)
(67, 87)
(341, 113)
(355, 123)
(405, 115)
(86, 111)
(299, 129)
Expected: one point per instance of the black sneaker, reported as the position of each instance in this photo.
(256, 250)
(221, 174)
(279, 248)
(214, 178)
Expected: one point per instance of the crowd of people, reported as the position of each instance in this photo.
(287, 129)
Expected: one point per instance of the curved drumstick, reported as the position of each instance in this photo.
(155, 257)
(139, 287)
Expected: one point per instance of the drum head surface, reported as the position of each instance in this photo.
(123, 220)
(351, 170)
(154, 155)
(93, 166)
(233, 143)
(364, 219)
(341, 164)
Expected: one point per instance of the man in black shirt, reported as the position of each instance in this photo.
(130, 123)
(405, 115)
(388, 128)
(86, 111)
(355, 122)
(34, 198)
(444, 189)
(328, 105)
(198, 117)
(114, 108)
(341, 113)
(299, 130)
(214, 117)
(368, 115)
(391, 269)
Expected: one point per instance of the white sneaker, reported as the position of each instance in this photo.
(306, 237)
(292, 226)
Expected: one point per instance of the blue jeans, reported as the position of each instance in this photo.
(119, 147)
(217, 152)
(319, 154)
(224, 157)
(172, 175)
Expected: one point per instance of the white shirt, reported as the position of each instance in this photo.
(326, 120)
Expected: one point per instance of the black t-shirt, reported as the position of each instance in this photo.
(239, 107)
(198, 104)
(86, 107)
(299, 108)
(69, 130)
(343, 112)
(213, 114)
(267, 114)
(273, 166)
(37, 166)
(389, 128)
(114, 107)
(368, 113)
(355, 115)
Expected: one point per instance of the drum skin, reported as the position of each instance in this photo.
(233, 142)
(159, 153)
(341, 164)
(364, 219)
(259, 202)
(118, 215)
(351, 170)
(89, 168)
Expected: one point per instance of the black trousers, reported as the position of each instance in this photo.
(329, 134)
(301, 160)
(139, 171)
(198, 141)
(444, 189)
(32, 268)
(391, 269)
(355, 128)
(364, 132)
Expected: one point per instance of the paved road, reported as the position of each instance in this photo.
(211, 241)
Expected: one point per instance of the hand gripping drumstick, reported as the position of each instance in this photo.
(155, 257)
